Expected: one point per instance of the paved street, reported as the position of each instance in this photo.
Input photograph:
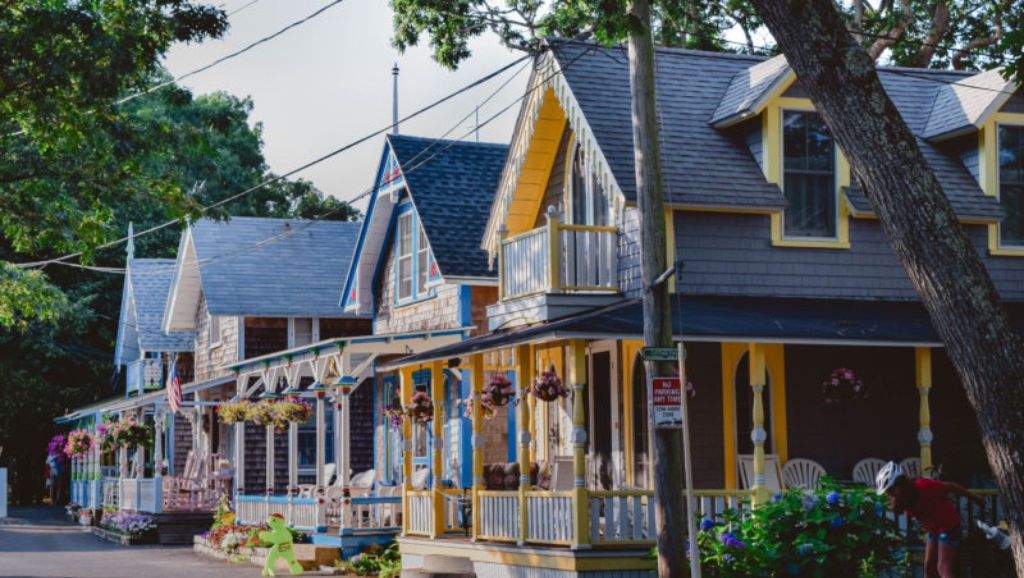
(37, 543)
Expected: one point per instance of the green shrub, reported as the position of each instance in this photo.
(834, 532)
(383, 562)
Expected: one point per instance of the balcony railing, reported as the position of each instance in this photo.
(145, 375)
(559, 258)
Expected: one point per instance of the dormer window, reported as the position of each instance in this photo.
(1011, 184)
(809, 176)
(214, 322)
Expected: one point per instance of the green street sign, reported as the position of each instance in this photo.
(660, 353)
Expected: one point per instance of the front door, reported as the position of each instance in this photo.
(605, 418)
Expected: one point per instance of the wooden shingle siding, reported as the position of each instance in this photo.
(442, 311)
(704, 370)
(331, 328)
(182, 442)
(361, 428)
(1015, 103)
(731, 254)
(630, 282)
(208, 362)
(554, 194)
(265, 335)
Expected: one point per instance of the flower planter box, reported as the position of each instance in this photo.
(124, 539)
(310, 556)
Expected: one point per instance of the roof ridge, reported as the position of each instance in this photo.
(446, 140)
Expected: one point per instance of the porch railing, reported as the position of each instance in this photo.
(145, 374)
(559, 258)
(622, 517)
(111, 493)
(421, 512)
(299, 513)
(549, 517)
(370, 514)
(499, 516)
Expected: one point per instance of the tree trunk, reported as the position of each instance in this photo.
(666, 450)
(921, 227)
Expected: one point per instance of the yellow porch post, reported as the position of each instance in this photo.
(476, 366)
(923, 377)
(758, 435)
(405, 390)
(524, 427)
(437, 396)
(577, 377)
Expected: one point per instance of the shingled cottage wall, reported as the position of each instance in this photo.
(209, 361)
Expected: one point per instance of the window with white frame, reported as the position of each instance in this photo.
(302, 332)
(405, 256)
(809, 176)
(587, 199)
(422, 260)
(215, 329)
(1011, 184)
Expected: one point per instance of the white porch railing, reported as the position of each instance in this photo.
(559, 258)
(141, 495)
(145, 374)
(379, 513)
(622, 517)
(421, 512)
(111, 493)
(499, 515)
(300, 513)
(549, 517)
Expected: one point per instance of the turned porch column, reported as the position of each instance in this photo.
(158, 442)
(293, 456)
(758, 435)
(923, 378)
(405, 391)
(577, 376)
(476, 366)
(524, 425)
(239, 478)
(270, 460)
(436, 463)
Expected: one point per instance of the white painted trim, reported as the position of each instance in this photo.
(240, 343)
(484, 281)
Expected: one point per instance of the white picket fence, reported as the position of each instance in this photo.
(549, 517)
(299, 513)
(421, 512)
(499, 515)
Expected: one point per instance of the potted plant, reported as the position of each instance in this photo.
(843, 385)
(548, 387)
(234, 412)
(291, 410)
(497, 392)
(393, 411)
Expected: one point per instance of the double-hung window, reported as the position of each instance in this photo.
(809, 176)
(1011, 185)
(405, 256)
(422, 261)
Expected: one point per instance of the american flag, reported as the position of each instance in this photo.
(173, 386)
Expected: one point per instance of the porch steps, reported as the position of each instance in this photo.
(181, 527)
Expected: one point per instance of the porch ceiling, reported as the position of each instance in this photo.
(741, 319)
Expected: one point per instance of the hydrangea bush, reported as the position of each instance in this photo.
(834, 532)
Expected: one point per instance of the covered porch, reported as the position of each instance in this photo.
(761, 419)
(340, 502)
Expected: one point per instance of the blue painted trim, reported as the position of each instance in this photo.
(465, 305)
(376, 413)
(513, 449)
(466, 436)
(277, 500)
(361, 240)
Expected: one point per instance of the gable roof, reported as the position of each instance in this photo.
(452, 184)
(702, 165)
(151, 284)
(966, 104)
(261, 267)
(749, 89)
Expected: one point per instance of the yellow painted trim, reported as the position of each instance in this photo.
(1008, 117)
(629, 350)
(670, 241)
(590, 228)
(535, 174)
(578, 379)
(731, 355)
(476, 364)
(405, 391)
(531, 557)
(524, 377)
(775, 358)
(437, 397)
(758, 375)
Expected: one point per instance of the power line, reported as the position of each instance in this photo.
(240, 8)
(303, 167)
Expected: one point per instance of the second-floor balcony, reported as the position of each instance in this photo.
(150, 373)
(555, 270)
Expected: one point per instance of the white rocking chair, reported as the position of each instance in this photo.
(911, 467)
(865, 471)
(772, 476)
(801, 473)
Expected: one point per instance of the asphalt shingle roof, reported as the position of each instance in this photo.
(274, 267)
(151, 284)
(959, 106)
(702, 165)
(750, 86)
(452, 191)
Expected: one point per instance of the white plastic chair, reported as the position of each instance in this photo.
(865, 471)
(419, 479)
(563, 478)
(911, 467)
(772, 475)
(801, 473)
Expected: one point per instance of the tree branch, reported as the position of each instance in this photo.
(940, 23)
(883, 42)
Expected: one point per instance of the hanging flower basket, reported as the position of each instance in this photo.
(421, 409)
(234, 412)
(127, 433)
(261, 413)
(56, 447)
(291, 410)
(843, 385)
(548, 387)
(79, 443)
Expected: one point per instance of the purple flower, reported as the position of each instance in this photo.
(731, 541)
(706, 524)
(836, 522)
(777, 497)
(832, 498)
(728, 558)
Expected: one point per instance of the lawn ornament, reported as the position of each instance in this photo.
(280, 539)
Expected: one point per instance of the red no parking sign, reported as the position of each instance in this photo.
(668, 409)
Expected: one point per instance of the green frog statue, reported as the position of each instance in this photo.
(280, 538)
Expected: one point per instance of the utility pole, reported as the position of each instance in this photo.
(666, 444)
(394, 99)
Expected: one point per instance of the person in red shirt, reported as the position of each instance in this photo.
(929, 503)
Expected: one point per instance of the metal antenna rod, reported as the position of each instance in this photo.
(394, 99)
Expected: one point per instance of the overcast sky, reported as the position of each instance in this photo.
(328, 82)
